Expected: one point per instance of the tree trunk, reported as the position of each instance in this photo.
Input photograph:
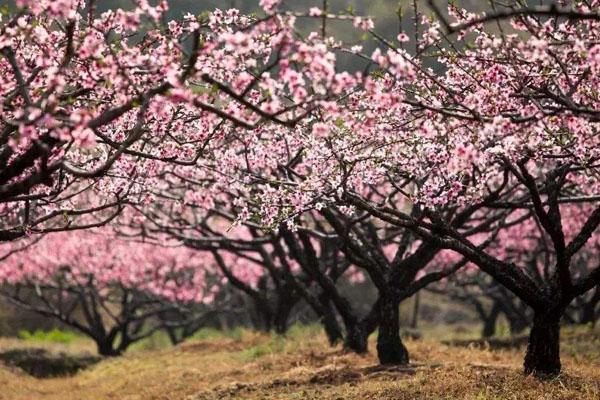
(264, 316)
(358, 332)
(106, 348)
(588, 310)
(390, 349)
(332, 329)
(356, 339)
(223, 323)
(517, 320)
(489, 322)
(330, 324)
(173, 337)
(588, 314)
(281, 318)
(543, 350)
(516, 324)
(415, 316)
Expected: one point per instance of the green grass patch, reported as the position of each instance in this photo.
(236, 334)
(275, 345)
(53, 336)
(160, 340)
(303, 331)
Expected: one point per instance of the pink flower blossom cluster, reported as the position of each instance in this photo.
(100, 258)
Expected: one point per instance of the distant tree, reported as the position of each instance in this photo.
(109, 289)
(254, 262)
(488, 299)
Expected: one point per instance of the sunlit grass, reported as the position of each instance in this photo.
(243, 364)
(53, 336)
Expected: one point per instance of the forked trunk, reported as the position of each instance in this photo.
(106, 348)
(543, 350)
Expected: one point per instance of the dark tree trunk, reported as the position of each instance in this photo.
(516, 324)
(588, 314)
(358, 332)
(332, 329)
(588, 310)
(517, 319)
(356, 338)
(281, 317)
(106, 348)
(489, 322)
(173, 337)
(330, 324)
(264, 316)
(390, 349)
(543, 350)
(223, 323)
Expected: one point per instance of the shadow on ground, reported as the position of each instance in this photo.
(42, 363)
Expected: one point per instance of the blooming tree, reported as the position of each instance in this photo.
(523, 125)
(94, 105)
(277, 172)
(398, 264)
(190, 209)
(502, 142)
(255, 262)
(507, 133)
(108, 288)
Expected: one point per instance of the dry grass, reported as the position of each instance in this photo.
(304, 367)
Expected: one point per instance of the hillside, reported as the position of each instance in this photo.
(253, 366)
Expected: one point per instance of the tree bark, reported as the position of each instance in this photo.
(332, 329)
(390, 349)
(330, 324)
(356, 338)
(543, 350)
(358, 332)
(588, 314)
(516, 316)
(106, 348)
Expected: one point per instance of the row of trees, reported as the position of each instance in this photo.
(471, 147)
(118, 291)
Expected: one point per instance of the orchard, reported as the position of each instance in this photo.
(167, 173)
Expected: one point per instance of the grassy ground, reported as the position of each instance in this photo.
(251, 366)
